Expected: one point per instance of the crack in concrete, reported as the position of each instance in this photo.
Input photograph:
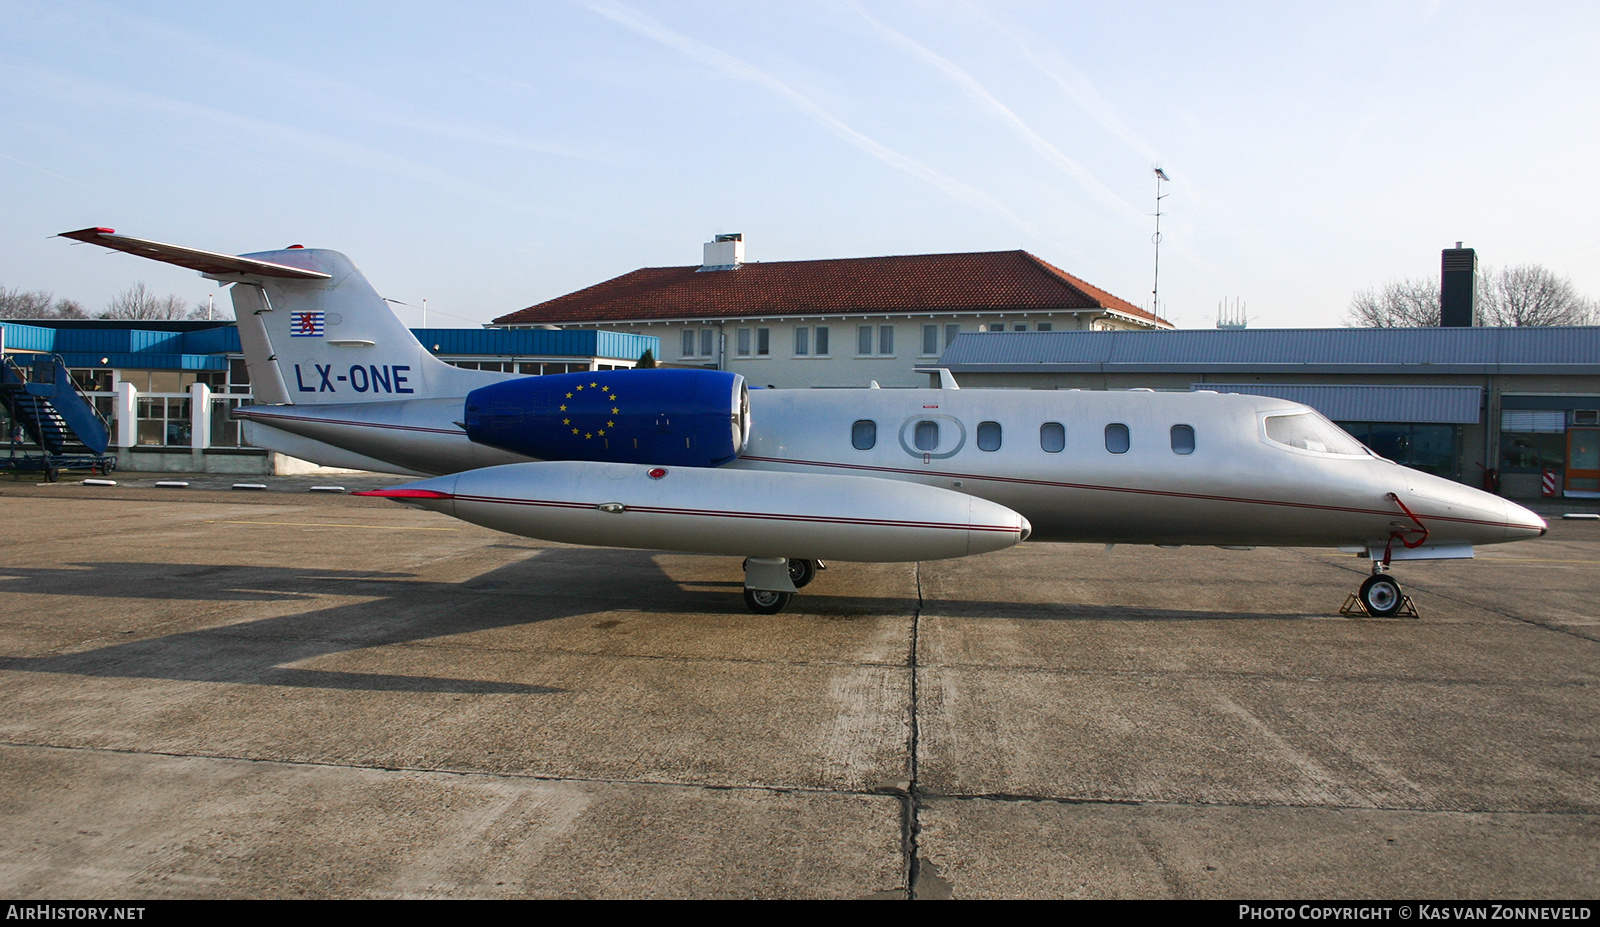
(921, 879)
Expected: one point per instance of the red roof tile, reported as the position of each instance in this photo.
(988, 281)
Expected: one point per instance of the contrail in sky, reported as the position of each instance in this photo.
(1090, 183)
(705, 54)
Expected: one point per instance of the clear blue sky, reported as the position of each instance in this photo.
(487, 156)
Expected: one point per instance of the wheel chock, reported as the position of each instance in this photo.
(1353, 608)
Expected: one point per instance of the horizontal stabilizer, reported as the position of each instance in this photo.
(206, 262)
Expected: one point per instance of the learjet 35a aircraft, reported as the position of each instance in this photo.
(693, 460)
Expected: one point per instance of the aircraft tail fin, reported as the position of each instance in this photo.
(312, 328)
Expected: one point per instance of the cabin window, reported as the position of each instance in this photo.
(864, 435)
(1117, 441)
(1052, 437)
(988, 436)
(1182, 439)
(926, 437)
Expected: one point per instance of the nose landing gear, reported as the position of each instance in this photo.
(1380, 597)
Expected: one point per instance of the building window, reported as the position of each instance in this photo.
(930, 340)
(988, 436)
(802, 341)
(864, 340)
(1434, 448)
(693, 337)
(950, 333)
(1020, 327)
(744, 342)
(162, 420)
(763, 342)
(1047, 326)
(926, 436)
(822, 341)
(1052, 437)
(864, 435)
(885, 339)
(1117, 441)
(1183, 439)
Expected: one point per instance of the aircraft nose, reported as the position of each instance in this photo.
(1522, 523)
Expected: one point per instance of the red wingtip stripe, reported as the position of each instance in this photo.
(403, 493)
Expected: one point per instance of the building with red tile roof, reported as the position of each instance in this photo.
(835, 322)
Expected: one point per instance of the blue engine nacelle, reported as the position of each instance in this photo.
(686, 418)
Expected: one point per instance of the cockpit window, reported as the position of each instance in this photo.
(1311, 432)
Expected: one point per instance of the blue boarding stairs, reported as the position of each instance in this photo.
(51, 425)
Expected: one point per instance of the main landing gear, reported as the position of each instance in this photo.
(770, 582)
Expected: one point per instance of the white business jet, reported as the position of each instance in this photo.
(692, 460)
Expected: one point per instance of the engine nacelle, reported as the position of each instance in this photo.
(690, 418)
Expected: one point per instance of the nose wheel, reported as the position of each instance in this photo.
(1381, 596)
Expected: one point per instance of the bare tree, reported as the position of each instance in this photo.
(217, 313)
(68, 309)
(38, 304)
(16, 304)
(138, 303)
(1529, 294)
(1400, 304)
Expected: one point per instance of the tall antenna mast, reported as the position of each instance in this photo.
(1155, 290)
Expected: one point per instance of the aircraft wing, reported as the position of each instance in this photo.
(206, 262)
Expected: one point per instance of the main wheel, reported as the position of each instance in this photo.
(1381, 595)
(802, 572)
(765, 601)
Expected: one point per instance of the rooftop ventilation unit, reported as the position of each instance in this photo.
(724, 252)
